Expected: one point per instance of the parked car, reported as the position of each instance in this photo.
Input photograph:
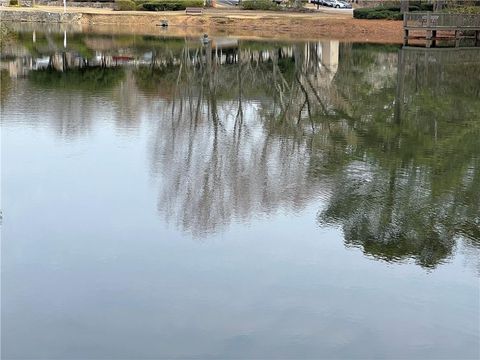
(320, 2)
(340, 4)
(328, 3)
(333, 3)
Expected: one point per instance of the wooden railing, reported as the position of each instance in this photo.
(440, 20)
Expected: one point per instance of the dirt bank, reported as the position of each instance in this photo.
(252, 24)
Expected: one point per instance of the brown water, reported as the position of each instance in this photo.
(168, 198)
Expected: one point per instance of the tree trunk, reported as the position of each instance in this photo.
(438, 5)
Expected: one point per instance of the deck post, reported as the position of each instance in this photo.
(405, 37)
(457, 38)
(399, 94)
(477, 38)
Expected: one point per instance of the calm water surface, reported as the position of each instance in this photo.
(164, 198)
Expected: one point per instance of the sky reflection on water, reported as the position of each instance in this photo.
(273, 201)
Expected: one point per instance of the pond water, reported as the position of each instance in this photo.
(173, 198)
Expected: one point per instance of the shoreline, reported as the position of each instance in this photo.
(251, 24)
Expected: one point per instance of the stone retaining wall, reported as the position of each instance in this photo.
(40, 16)
(90, 4)
(20, 2)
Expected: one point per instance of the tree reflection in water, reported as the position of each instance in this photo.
(417, 189)
(277, 127)
(232, 149)
(387, 139)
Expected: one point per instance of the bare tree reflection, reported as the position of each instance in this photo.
(295, 128)
(246, 129)
(220, 157)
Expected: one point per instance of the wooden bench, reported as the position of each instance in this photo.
(193, 11)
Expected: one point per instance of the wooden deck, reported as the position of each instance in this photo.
(433, 27)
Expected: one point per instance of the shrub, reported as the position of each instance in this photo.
(385, 14)
(162, 6)
(167, 5)
(103, 1)
(425, 7)
(397, 8)
(474, 10)
(259, 5)
(13, 2)
(377, 13)
(391, 12)
(139, 4)
(124, 5)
